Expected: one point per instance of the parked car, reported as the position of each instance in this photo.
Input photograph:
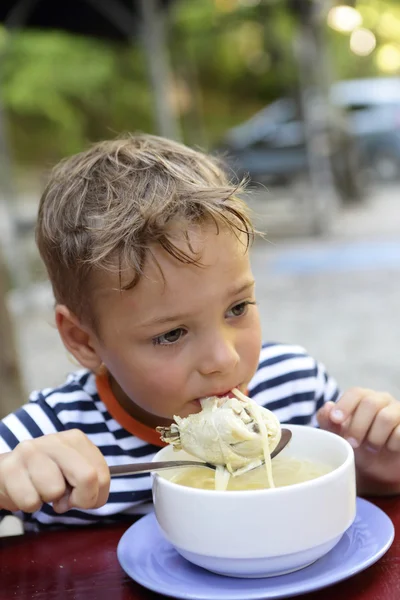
(373, 108)
(363, 131)
(271, 148)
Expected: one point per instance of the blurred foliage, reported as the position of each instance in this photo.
(229, 58)
(61, 90)
(382, 17)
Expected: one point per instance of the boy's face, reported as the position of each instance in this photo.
(184, 332)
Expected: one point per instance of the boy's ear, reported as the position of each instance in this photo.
(77, 339)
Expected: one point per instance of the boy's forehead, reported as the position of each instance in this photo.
(199, 240)
(218, 256)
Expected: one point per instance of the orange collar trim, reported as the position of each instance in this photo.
(145, 433)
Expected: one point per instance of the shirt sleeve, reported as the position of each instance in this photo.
(326, 389)
(292, 384)
(32, 420)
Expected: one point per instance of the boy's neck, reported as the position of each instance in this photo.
(135, 411)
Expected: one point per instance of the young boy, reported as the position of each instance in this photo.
(146, 245)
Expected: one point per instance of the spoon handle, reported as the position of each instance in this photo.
(134, 469)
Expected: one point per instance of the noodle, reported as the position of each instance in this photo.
(222, 477)
(256, 414)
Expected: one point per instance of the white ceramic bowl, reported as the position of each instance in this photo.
(262, 533)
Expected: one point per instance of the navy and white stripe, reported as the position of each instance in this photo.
(288, 381)
(292, 384)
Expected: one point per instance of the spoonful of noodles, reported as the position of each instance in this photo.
(135, 468)
(234, 434)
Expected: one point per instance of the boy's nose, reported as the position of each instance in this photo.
(220, 356)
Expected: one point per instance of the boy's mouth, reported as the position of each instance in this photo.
(226, 394)
(196, 403)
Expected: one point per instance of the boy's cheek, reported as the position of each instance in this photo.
(160, 391)
(250, 354)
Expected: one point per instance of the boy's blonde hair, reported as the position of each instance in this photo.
(103, 208)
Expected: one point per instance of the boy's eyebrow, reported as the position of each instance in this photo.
(234, 291)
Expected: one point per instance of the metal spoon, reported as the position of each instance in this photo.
(134, 469)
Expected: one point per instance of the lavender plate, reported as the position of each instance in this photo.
(147, 557)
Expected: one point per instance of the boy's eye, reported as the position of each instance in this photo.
(171, 337)
(239, 309)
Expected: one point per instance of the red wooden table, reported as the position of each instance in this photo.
(81, 564)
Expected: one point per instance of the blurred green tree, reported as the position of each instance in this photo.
(61, 91)
(230, 58)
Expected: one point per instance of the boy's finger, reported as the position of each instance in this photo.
(348, 403)
(384, 425)
(22, 493)
(79, 473)
(63, 504)
(46, 477)
(362, 419)
(83, 478)
(97, 460)
(84, 467)
(393, 443)
(324, 418)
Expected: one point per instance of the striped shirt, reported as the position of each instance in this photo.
(288, 381)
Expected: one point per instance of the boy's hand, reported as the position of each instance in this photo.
(370, 421)
(63, 468)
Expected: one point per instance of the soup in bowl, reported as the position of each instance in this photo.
(257, 531)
